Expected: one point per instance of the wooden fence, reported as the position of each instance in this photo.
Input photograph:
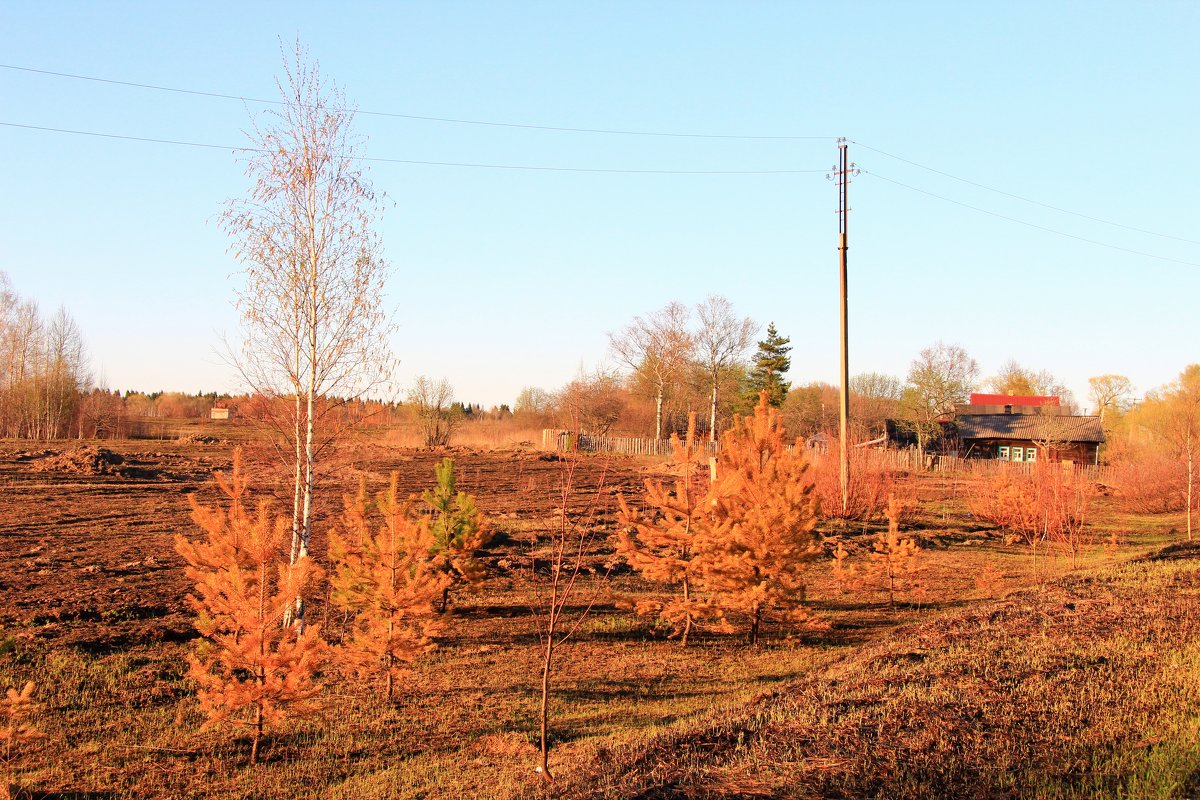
(908, 460)
(620, 445)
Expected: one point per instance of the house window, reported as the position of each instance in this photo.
(1018, 454)
(1031, 454)
(1002, 453)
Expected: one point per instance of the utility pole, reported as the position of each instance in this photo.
(841, 176)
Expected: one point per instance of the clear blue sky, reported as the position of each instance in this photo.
(506, 278)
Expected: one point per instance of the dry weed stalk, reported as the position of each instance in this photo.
(571, 546)
(252, 670)
(387, 579)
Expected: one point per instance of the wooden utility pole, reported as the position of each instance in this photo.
(841, 176)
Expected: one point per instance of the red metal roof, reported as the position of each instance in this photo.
(1013, 400)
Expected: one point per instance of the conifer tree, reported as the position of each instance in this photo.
(895, 564)
(458, 528)
(252, 670)
(669, 543)
(16, 734)
(387, 579)
(757, 566)
(771, 362)
(892, 565)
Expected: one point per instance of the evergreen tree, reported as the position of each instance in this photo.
(252, 670)
(386, 578)
(458, 528)
(757, 566)
(771, 362)
(669, 543)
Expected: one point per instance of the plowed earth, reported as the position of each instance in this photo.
(86, 532)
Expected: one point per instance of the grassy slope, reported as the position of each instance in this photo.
(1088, 686)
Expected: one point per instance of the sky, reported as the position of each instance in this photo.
(1029, 185)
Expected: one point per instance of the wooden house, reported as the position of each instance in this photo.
(1026, 429)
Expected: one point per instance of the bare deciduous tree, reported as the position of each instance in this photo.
(314, 272)
(1110, 394)
(432, 404)
(659, 346)
(560, 569)
(1017, 380)
(940, 378)
(720, 341)
(592, 403)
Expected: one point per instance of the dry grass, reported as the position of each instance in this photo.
(1086, 687)
(962, 695)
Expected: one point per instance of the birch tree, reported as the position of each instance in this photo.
(659, 346)
(311, 304)
(720, 341)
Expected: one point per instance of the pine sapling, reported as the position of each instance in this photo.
(757, 566)
(459, 530)
(16, 734)
(251, 669)
(894, 560)
(845, 571)
(668, 544)
(386, 578)
(990, 580)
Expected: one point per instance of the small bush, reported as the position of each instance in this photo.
(1150, 483)
(871, 483)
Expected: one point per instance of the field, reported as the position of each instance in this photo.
(1039, 681)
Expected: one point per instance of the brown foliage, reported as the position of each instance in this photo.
(386, 578)
(871, 483)
(1150, 482)
(1049, 503)
(251, 670)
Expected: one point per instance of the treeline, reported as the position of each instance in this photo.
(43, 374)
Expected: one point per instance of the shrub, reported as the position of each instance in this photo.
(1150, 483)
(870, 485)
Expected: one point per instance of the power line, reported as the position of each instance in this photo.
(1025, 199)
(423, 118)
(1031, 224)
(522, 167)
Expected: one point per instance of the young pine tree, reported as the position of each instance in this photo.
(252, 670)
(386, 578)
(16, 735)
(757, 566)
(458, 528)
(668, 544)
(895, 561)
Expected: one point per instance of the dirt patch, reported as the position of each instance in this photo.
(88, 460)
(200, 438)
